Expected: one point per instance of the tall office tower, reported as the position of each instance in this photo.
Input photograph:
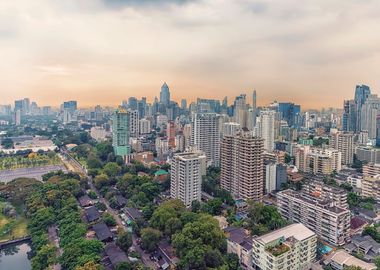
(344, 143)
(224, 105)
(361, 94)
(330, 222)
(289, 112)
(241, 110)
(369, 112)
(165, 95)
(230, 128)
(142, 107)
(205, 136)
(242, 166)
(254, 100)
(132, 103)
(144, 126)
(208, 105)
(292, 247)
(18, 105)
(70, 105)
(26, 106)
(120, 132)
(186, 176)
(349, 116)
(170, 134)
(183, 104)
(134, 124)
(17, 117)
(266, 128)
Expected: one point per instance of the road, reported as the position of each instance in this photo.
(35, 172)
(79, 169)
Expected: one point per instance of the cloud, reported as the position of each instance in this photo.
(284, 49)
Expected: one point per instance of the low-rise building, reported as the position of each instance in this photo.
(292, 247)
(364, 245)
(239, 242)
(340, 259)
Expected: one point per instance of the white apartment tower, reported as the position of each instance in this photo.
(186, 176)
(344, 143)
(266, 129)
(205, 136)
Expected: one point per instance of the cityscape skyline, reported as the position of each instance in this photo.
(100, 52)
(150, 99)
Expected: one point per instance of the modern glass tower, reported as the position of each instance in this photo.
(165, 95)
(120, 130)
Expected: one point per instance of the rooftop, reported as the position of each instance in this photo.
(297, 231)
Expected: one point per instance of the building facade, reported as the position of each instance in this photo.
(242, 166)
(186, 176)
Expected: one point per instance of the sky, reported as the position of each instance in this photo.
(104, 51)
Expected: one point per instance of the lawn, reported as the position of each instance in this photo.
(12, 228)
(33, 160)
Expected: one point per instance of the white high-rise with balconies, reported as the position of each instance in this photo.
(186, 176)
(205, 136)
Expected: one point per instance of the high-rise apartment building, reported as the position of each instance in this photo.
(145, 127)
(330, 222)
(134, 124)
(292, 247)
(205, 136)
(266, 128)
(120, 132)
(186, 176)
(242, 167)
(344, 143)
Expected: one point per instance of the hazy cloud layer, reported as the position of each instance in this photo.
(98, 51)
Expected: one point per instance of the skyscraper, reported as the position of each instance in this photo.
(349, 116)
(183, 104)
(242, 166)
(241, 110)
(186, 176)
(289, 112)
(266, 129)
(165, 95)
(205, 135)
(369, 112)
(361, 94)
(120, 132)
